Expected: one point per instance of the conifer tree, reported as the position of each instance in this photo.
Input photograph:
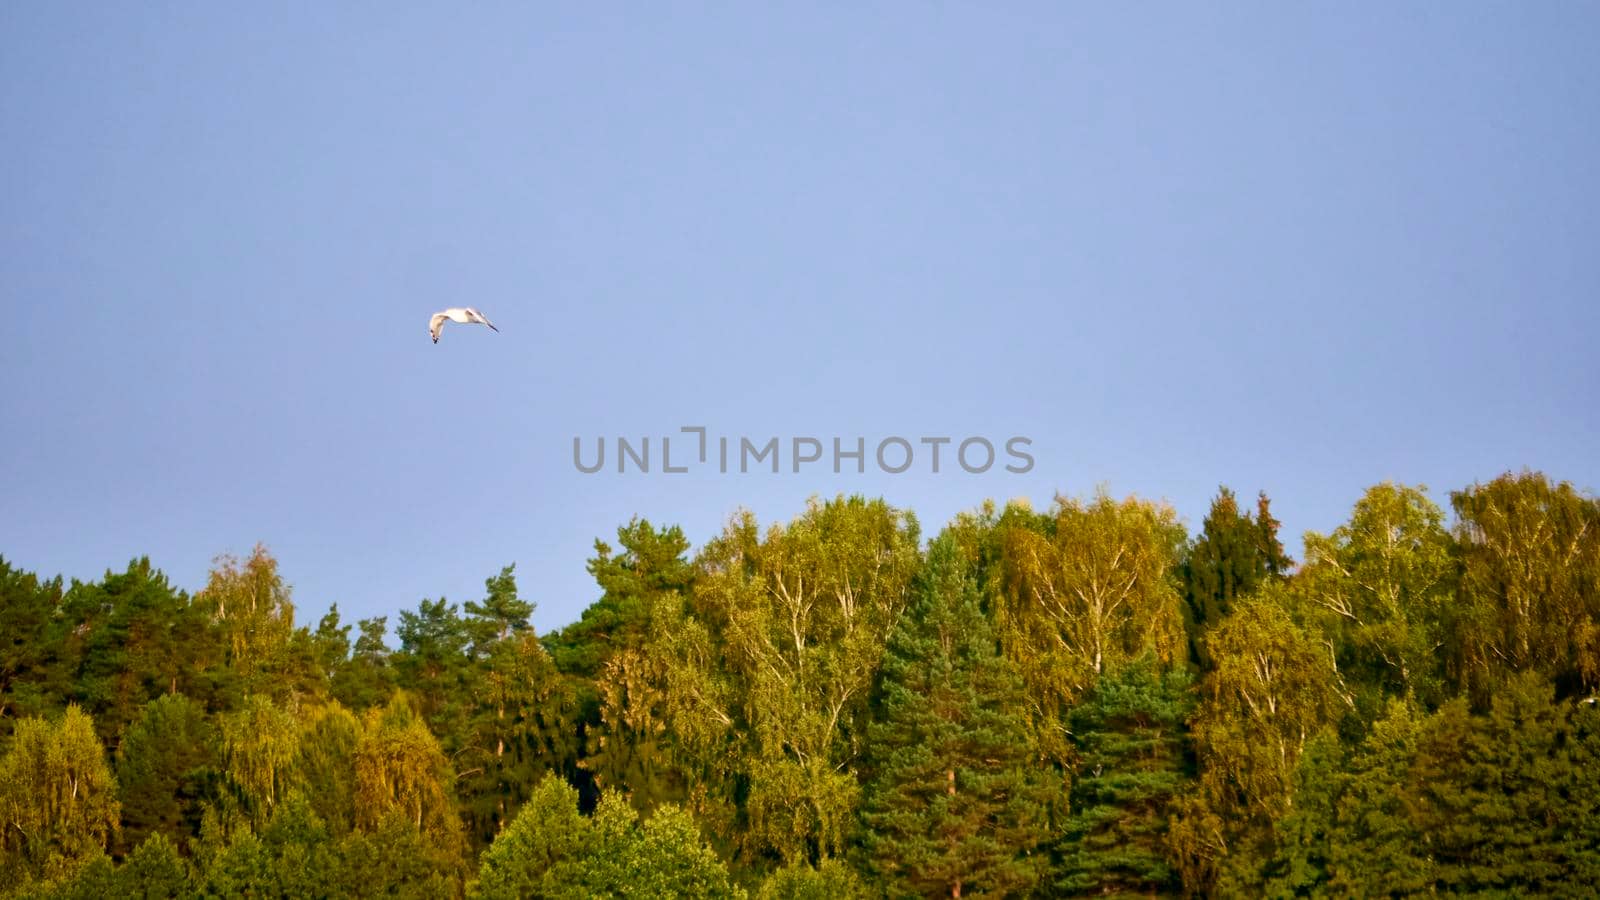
(1130, 735)
(1505, 803)
(652, 561)
(956, 803)
(27, 605)
(164, 765)
(501, 614)
(1231, 556)
(367, 678)
(616, 675)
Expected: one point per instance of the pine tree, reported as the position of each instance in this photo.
(435, 666)
(956, 803)
(1130, 735)
(366, 679)
(164, 765)
(614, 673)
(26, 607)
(653, 561)
(501, 614)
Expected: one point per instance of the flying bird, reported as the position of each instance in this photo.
(459, 315)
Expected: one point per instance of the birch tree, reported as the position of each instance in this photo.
(1087, 585)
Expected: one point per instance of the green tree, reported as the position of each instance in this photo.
(956, 803)
(652, 561)
(260, 749)
(1530, 582)
(615, 680)
(367, 678)
(1130, 736)
(550, 850)
(523, 727)
(1381, 585)
(154, 871)
(832, 880)
(1505, 803)
(1232, 555)
(27, 606)
(250, 603)
(434, 665)
(1275, 687)
(501, 614)
(1373, 848)
(126, 640)
(165, 764)
(58, 797)
(779, 655)
(396, 860)
(330, 736)
(401, 767)
(1087, 587)
(292, 856)
(331, 645)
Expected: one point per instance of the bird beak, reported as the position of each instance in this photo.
(491, 327)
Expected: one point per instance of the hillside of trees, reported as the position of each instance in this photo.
(1083, 700)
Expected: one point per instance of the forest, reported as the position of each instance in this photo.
(1083, 700)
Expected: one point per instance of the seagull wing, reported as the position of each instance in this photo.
(436, 325)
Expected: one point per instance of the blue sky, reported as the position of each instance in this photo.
(1300, 248)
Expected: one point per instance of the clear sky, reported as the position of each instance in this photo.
(1293, 247)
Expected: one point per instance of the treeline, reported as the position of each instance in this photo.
(1079, 701)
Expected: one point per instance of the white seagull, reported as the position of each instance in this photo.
(459, 315)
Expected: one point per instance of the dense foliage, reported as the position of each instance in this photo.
(1081, 701)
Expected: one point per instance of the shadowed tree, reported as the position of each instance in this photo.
(27, 647)
(368, 677)
(1232, 555)
(128, 639)
(329, 738)
(164, 764)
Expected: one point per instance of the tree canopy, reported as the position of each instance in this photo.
(1083, 701)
